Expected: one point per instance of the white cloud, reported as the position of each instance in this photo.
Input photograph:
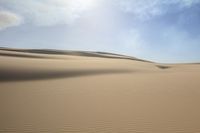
(146, 9)
(9, 19)
(50, 12)
(143, 9)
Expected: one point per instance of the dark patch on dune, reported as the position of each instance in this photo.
(163, 67)
(25, 75)
(110, 53)
(84, 53)
(75, 53)
(195, 63)
(21, 55)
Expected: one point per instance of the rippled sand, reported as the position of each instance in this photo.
(93, 92)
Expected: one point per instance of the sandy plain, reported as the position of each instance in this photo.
(95, 92)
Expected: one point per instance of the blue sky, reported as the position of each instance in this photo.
(164, 31)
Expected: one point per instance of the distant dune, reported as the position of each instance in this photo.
(96, 92)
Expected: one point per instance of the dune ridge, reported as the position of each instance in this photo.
(67, 52)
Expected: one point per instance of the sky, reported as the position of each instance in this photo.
(165, 31)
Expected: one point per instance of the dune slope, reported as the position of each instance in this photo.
(83, 92)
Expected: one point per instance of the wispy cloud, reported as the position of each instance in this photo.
(52, 12)
(146, 9)
(9, 19)
(49, 12)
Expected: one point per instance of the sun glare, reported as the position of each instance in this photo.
(84, 4)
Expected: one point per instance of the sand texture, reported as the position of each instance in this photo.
(94, 92)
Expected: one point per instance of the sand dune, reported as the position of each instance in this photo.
(96, 92)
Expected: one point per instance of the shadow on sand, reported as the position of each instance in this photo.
(7, 75)
(163, 67)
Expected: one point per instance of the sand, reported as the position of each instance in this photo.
(94, 92)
